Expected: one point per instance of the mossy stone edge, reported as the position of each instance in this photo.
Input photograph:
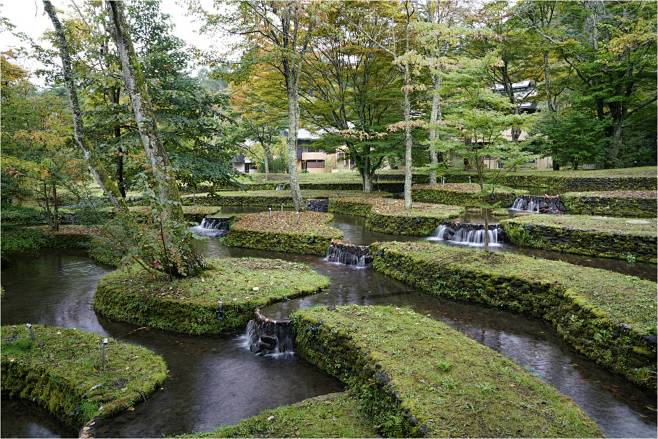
(523, 233)
(144, 303)
(619, 347)
(64, 398)
(339, 342)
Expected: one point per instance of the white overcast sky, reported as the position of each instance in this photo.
(29, 17)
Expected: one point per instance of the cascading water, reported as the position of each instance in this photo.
(269, 337)
(212, 227)
(318, 204)
(349, 254)
(538, 204)
(467, 234)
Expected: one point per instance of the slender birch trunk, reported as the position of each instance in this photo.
(163, 175)
(408, 140)
(96, 169)
(266, 160)
(367, 178)
(292, 65)
(293, 126)
(435, 115)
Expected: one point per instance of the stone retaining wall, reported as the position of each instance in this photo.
(642, 205)
(459, 274)
(584, 242)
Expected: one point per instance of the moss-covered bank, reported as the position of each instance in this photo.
(608, 237)
(332, 415)
(415, 376)
(388, 215)
(464, 194)
(221, 299)
(555, 182)
(632, 204)
(303, 233)
(262, 198)
(18, 240)
(609, 317)
(61, 371)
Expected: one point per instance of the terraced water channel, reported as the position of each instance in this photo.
(216, 380)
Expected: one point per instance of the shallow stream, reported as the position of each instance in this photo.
(216, 380)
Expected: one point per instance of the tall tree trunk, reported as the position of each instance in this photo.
(120, 179)
(116, 95)
(435, 115)
(366, 176)
(266, 160)
(163, 175)
(95, 166)
(485, 214)
(617, 139)
(55, 206)
(547, 84)
(617, 111)
(293, 125)
(408, 141)
(46, 200)
(514, 131)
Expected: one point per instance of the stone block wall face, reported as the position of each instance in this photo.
(556, 184)
(607, 245)
(610, 344)
(610, 206)
(456, 198)
(283, 242)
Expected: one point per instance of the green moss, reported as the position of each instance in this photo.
(261, 198)
(23, 216)
(61, 371)
(21, 240)
(641, 178)
(638, 204)
(464, 194)
(453, 387)
(191, 213)
(332, 415)
(304, 233)
(388, 215)
(222, 298)
(610, 237)
(600, 313)
(30, 240)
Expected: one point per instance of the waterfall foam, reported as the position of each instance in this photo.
(212, 227)
(267, 336)
(349, 254)
(538, 204)
(317, 204)
(467, 234)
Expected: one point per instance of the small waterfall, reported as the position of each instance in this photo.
(267, 336)
(318, 204)
(280, 187)
(212, 227)
(468, 234)
(349, 254)
(538, 204)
